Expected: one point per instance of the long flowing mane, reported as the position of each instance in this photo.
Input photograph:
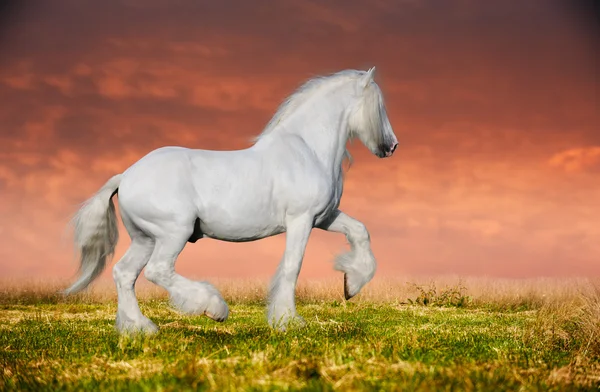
(303, 94)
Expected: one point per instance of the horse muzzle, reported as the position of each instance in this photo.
(386, 150)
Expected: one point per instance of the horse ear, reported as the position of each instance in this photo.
(368, 78)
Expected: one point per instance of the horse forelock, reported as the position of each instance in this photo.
(369, 115)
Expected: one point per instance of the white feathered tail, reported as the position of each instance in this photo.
(96, 234)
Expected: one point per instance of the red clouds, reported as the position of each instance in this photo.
(493, 104)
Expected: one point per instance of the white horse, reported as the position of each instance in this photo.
(290, 180)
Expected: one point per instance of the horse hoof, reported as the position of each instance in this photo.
(217, 309)
(285, 324)
(144, 327)
(220, 319)
(346, 291)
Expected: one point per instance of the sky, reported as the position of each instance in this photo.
(494, 103)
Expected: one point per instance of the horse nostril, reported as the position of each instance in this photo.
(394, 147)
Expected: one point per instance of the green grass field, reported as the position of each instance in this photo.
(392, 337)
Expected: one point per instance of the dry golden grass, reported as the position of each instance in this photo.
(502, 293)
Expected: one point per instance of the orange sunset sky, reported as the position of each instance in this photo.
(494, 104)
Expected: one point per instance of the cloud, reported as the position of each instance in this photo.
(577, 159)
(478, 95)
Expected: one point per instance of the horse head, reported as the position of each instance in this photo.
(368, 120)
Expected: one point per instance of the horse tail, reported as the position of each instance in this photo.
(96, 234)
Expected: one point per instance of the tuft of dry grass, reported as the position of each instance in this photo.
(590, 322)
(570, 325)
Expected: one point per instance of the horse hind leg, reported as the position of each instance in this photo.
(125, 273)
(187, 296)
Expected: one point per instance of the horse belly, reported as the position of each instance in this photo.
(239, 228)
(238, 213)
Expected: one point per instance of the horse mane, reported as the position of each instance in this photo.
(303, 94)
(372, 103)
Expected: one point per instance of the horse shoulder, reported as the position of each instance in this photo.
(307, 188)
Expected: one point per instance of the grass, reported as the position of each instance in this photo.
(428, 335)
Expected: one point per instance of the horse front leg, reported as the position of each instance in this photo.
(282, 302)
(359, 264)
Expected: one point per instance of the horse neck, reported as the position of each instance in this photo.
(323, 126)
